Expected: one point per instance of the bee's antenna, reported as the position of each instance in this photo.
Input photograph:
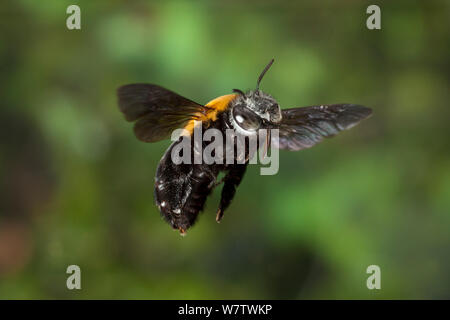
(239, 91)
(263, 73)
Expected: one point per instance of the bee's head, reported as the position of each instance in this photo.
(255, 108)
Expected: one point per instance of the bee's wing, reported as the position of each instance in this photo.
(302, 128)
(156, 110)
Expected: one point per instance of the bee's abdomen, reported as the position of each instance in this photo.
(181, 190)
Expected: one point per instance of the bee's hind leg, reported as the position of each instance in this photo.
(232, 180)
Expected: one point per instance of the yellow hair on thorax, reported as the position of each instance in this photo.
(214, 107)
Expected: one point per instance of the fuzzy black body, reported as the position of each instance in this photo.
(181, 190)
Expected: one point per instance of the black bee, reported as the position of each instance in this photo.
(181, 189)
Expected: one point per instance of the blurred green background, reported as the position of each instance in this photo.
(77, 186)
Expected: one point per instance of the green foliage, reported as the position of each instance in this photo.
(78, 187)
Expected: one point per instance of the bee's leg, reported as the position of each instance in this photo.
(219, 182)
(232, 180)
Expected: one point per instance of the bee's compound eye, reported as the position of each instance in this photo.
(246, 119)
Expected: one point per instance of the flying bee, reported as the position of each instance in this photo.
(181, 189)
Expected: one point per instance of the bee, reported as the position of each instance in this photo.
(182, 189)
